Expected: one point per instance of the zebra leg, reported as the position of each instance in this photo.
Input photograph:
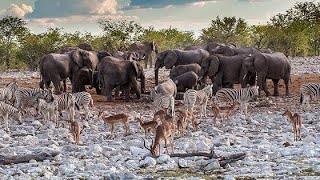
(245, 108)
(6, 122)
(205, 108)
(86, 111)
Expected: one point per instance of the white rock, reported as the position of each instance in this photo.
(228, 177)
(163, 158)
(36, 122)
(66, 169)
(135, 151)
(213, 165)
(148, 161)
(309, 139)
(95, 150)
(31, 140)
(185, 163)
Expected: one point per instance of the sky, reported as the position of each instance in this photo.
(190, 15)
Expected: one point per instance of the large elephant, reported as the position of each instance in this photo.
(134, 56)
(114, 72)
(181, 69)
(171, 58)
(58, 67)
(84, 78)
(231, 51)
(188, 80)
(273, 66)
(208, 46)
(145, 49)
(224, 71)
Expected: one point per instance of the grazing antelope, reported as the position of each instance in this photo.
(224, 111)
(147, 126)
(182, 122)
(163, 131)
(296, 121)
(76, 131)
(118, 118)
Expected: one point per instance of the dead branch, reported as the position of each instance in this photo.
(4, 160)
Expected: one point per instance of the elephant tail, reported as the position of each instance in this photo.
(301, 98)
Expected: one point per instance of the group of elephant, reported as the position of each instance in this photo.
(224, 64)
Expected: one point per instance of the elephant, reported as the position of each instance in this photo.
(145, 49)
(135, 56)
(273, 66)
(58, 67)
(84, 78)
(114, 72)
(231, 51)
(167, 87)
(171, 58)
(181, 69)
(224, 71)
(208, 46)
(185, 81)
(83, 46)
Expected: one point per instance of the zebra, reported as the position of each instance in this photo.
(163, 101)
(242, 95)
(7, 92)
(202, 96)
(26, 95)
(83, 99)
(6, 110)
(48, 110)
(307, 93)
(66, 101)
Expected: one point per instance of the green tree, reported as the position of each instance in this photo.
(227, 30)
(11, 28)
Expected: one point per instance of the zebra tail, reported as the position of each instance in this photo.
(301, 98)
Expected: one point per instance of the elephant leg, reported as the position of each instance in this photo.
(135, 87)
(150, 60)
(117, 92)
(126, 90)
(98, 90)
(286, 82)
(65, 85)
(275, 87)
(146, 62)
(56, 84)
(262, 83)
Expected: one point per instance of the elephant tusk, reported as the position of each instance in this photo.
(244, 76)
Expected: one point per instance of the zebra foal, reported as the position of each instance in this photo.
(163, 101)
(6, 110)
(7, 92)
(308, 92)
(83, 99)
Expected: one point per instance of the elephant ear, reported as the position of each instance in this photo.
(135, 67)
(77, 57)
(170, 59)
(260, 62)
(213, 65)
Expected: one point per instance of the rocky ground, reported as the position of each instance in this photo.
(264, 135)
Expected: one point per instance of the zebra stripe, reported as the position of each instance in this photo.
(202, 96)
(307, 93)
(7, 92)
(28, 94)
(83, 99)
(48, 110)
(6, 110)
(242, 95)
(163, 101)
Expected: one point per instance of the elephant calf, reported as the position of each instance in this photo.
(84, 78)
(185, 81)
(181, 69)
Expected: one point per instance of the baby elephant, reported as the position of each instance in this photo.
(185, 81)
(181, 69)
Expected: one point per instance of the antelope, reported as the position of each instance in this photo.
(159, 115)
(147, 126)
(224, 111)
(182, 122)
(76, 131)
(296, 121)
(163, 131)
(118, 118)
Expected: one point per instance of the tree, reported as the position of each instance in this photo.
(11, 28)
(117, 33)
(227, 30)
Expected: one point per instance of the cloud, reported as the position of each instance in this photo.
(15, 10)
(65, 8)
(163, 3)
(202, 3)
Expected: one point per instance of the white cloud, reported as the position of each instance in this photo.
(15, 10)
(201, 3)
(101, 6)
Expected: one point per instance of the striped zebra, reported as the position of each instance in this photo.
(308, 92)
(163, 101)
(84, 99)
(24, 96)
(7, 92)
(242, 95)
(66, 102)
(7, 110)
(202, 96)
(48, 110)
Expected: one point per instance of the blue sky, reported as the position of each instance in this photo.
(194, 15)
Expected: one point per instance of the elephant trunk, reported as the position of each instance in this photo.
(156, 73)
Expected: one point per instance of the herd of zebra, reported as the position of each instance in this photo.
(15, 101)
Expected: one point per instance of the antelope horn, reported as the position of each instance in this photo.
(144, 144)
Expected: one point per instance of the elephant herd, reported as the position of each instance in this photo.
(225, 65)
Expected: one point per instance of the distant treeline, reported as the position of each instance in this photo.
(295, 33)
